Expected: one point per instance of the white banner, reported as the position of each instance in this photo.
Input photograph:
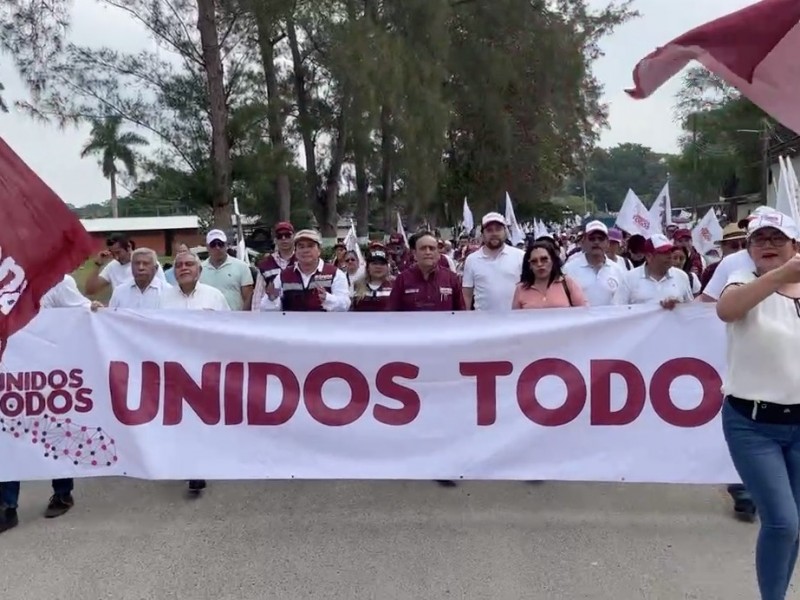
(597, 394)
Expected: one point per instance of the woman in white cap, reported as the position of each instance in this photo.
(761, 413)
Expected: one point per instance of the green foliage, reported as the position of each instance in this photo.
(722, 143)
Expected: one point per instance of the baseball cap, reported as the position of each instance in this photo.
(377, 256)
(284, 226)
(395, 238)
(493, 217)
(308, 234)
(761, 210)
(615, 235)
(595, 226)
(216, 235)
(682, 233)
(658, 244)
(775, 220)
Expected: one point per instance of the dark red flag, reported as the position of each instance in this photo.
(754, 49)
(41, 240)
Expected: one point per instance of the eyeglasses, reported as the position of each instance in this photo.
(778, 240)
(216, 244)
(350, 260)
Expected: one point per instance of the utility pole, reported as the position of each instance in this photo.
(765, 137)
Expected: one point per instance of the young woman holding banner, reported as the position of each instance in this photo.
(761, 414)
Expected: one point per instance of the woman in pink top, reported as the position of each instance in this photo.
(542, 284)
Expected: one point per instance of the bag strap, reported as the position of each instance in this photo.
(566, 291)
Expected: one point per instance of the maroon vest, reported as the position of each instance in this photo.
(297, 297)
(375, 301)
(270, 269)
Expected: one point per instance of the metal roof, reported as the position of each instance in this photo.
(125, 224)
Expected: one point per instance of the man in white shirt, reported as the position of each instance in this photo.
(656, 281)
(64, 294)
(189, 293)
(492, 273)
(144, 290)
(113, 265)
(309, 285)
(598, 275)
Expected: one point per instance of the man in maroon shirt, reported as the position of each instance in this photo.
(426, 286)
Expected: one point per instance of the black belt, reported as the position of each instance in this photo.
(766, 412)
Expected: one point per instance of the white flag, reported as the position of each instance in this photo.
(706, 232)
(661, 211)
(241, 248)
(401, 230)
(467, 220)
(786, 201)
(634, 218)
(516, 235)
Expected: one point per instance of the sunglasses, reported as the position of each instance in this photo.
(216, 244)
(283, 236)
(350, 260)
(539, 261)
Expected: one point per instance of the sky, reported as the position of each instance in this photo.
(55, 154)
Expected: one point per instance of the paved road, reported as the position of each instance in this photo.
(132, 540)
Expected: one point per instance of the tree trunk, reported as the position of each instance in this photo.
(303, 115)
(329, 215)
(387, 165)
(220, 149)
(266, 47)
(114, 199)
(362, 191)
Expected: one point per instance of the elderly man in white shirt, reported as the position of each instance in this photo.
(492, 273)
(310, 285)
(64, 294)
(144, 290)
(656, 281)
(189, 293)
(598, 275)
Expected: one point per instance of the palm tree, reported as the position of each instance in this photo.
(106, 140)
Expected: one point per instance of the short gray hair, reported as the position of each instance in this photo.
(193, 255)
(146, 252)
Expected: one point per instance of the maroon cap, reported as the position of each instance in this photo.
(615, 235)
(681, 234)
(395, 238)
(284, 226)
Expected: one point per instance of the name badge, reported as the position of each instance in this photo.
(412, 291)
(446, 291)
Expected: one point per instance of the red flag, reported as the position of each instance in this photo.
(41, 241)
(754, 49)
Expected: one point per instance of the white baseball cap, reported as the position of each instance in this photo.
(216, 235)
(593, 226)
(776, 220)
(757, 212)
(493, 217)
(658, 244)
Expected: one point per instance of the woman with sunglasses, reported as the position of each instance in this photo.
(352, 268)
(761, 410)
(733, 240)
(542, 284)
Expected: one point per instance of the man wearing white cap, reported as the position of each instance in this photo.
(229, 275)
(310, 284)
(598, 275)
(491, 273)
(734, 262)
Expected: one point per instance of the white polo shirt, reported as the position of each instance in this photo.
(493, 279)
(64, 294)
(128, 295)
(638, 287)
(738, 261)
(598, 285)
(203, 297)
(116, 273)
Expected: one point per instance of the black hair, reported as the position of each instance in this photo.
(121, 240)
(527, 279)
(412, 241)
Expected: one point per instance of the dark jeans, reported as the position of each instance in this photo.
(9, 491)
(767, 458)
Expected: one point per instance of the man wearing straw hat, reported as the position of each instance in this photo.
(733, 240)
